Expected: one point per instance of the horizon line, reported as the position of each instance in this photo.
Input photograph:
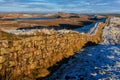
(22, 12)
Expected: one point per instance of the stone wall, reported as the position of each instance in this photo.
(29, 58)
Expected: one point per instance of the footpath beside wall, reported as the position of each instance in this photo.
(29, 58)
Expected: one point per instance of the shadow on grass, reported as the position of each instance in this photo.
(59, 64)
(92, 63)
(86, 22)
(61, 26)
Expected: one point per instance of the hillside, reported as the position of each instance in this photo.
(100, 62)
(30, 56)
(65, 21)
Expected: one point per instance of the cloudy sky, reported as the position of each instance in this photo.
(53, 6)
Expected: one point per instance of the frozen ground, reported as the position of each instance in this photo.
(99, 62)
(34, 31)
(111, 33)
(86, 29)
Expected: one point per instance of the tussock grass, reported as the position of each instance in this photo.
(34, 54)
(6, 36)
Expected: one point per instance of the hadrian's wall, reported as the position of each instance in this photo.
(29, 58)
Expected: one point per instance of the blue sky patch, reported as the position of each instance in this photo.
(53, 6)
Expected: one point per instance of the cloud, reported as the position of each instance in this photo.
(77, 6)
(2, 1)
(117, 1)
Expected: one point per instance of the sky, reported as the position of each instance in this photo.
(54, 6)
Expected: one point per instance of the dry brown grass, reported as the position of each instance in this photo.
(8, 24)
(18, 24)
(30, 57)
(6, 36)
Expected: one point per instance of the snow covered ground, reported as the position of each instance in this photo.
(111, 33)
(86, 29)
(101, 62)
(34, 31)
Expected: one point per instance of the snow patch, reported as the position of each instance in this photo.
(99, 62)
(111, 33)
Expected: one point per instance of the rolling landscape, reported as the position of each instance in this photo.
(75, 43)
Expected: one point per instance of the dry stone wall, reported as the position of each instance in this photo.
(29, 58)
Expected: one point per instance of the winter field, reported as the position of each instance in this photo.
(87, 62)
(100, 62)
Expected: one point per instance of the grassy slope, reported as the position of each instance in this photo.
(6, 36)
